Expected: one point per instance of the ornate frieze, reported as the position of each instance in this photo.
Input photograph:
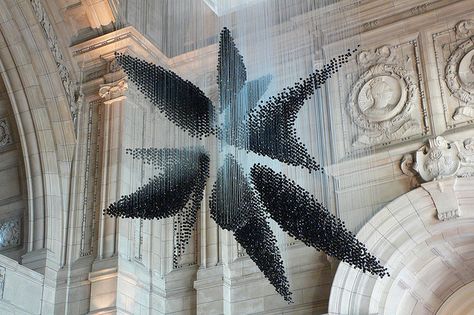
(72, 89)
(454, 49)
(5, 134)
(10, 233)
(387, 100)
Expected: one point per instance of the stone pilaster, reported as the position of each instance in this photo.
(103, 277)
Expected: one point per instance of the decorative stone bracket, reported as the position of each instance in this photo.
(444, 198)
(438, 164)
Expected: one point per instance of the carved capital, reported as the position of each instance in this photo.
(114, 91)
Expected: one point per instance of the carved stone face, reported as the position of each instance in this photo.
(379, 94)
(380, 98)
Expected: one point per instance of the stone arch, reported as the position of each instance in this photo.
(44, 123)
(429, 260)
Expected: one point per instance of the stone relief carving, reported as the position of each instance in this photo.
(439, 163)
(465, 28)
(383, 54)
(381, 101)
(454, 51)
(10, 233)
(110, 91)
(5, 135)
(387, 102)
(459, 76)
(72, 89)
(3, 271)
(441, 159)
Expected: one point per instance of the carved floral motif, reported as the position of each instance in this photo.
(10, 233)
(5, 136)
(73, 93)
(383, 54)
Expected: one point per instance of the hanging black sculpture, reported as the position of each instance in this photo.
(238, 204)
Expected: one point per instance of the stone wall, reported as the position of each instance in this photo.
(410, 81)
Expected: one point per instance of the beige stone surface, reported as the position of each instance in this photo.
(59, 174)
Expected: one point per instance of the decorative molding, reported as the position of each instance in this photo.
(5, 134)
(440, 159)
(72, 89)
(420, 9)
(367, 26)
(3, 271)
(87, 246)
(10, 233)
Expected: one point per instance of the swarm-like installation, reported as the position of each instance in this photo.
(234, 207)
(237, 96)
(303, 217)
(271, 128)
(177, 190)
(179, 100)
(237, 204)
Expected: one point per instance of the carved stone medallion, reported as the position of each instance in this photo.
(460, 73)
(380, 103)
(5, 137)
(454, 51)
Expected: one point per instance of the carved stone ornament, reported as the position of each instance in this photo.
(441, 159)
(5, 136)
(10, 233)
(113, 91)
(444, 197)
(72, 89)
(383, 54)
(459, 72)
(380, 103)
(439, 163)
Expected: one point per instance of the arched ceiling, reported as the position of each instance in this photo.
(13, 204)
(428, 259)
